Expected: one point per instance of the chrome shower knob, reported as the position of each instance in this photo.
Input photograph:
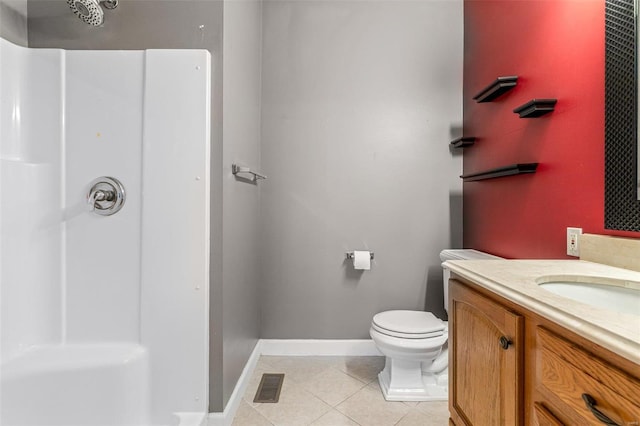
(106, 196)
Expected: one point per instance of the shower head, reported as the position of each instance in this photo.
(90, 11)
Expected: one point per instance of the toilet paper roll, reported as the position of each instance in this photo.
(362, 260)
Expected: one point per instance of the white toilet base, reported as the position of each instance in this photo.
(409, 383)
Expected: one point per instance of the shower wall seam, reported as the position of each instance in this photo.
(142, 185)
(63, 197)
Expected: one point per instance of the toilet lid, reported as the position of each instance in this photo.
(408, 324)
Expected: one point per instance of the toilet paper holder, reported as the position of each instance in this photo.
(349, 255)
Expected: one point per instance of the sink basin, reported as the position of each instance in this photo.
(614, 295)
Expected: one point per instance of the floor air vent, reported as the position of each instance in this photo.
(269, 389)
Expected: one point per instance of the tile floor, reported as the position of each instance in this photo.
(332, 391)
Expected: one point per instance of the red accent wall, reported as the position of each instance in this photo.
(556, 48)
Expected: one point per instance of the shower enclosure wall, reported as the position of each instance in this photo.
(104, 319)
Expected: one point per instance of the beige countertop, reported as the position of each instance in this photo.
(517, 281)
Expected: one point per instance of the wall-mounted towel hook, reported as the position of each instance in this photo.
(254, 176)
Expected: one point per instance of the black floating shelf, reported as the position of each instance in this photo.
(514, 169)
(462, 142)
(499, 87)
(536, 107)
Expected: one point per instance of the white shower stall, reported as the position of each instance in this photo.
(104, 318)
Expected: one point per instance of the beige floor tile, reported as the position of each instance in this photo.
(263, 362)
(333, 386)
(418, 418)
(296, 406)
(363, 368)
(313, 384)
(299, 368)
(247, 416)
(411, 403)
(368, 407)
(437, 411)
(334, 418)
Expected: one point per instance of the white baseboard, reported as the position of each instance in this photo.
(319, 347)
(226, 417)
(289, 347)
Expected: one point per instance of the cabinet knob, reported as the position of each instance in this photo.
(505, 342)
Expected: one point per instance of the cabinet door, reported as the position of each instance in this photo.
(485, 360)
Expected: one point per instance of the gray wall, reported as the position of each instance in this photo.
(13, 21)
(143, 24)
(241, 135)
(359, 102)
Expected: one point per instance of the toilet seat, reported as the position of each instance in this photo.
(401, 335)
(408, 324)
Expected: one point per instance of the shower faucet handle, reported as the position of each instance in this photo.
(106, 196)
(100, 195)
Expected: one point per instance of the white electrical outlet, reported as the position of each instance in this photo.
(573, 241)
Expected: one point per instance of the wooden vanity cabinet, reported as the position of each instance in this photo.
(541, 377)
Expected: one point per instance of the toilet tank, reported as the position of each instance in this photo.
(458, 254)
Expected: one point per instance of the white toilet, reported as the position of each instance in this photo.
(415, 346)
